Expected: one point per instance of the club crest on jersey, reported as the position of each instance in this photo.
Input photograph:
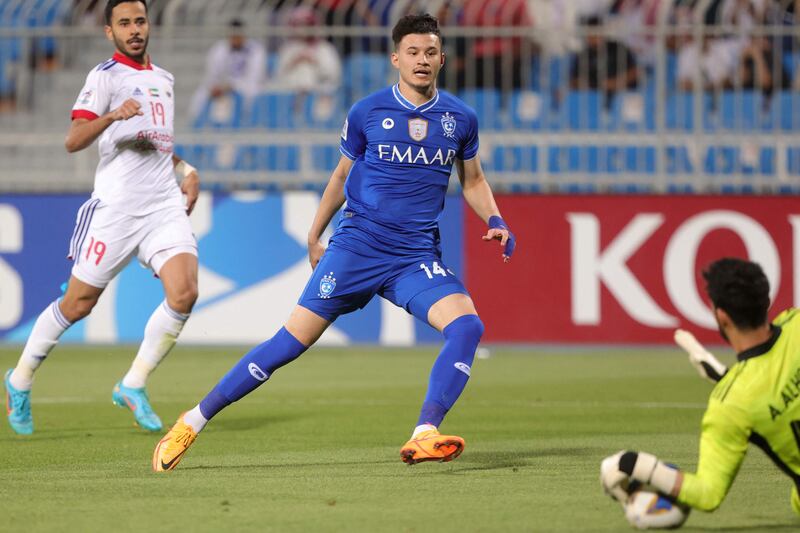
(326, 285)
(448, 125)
(418, 128)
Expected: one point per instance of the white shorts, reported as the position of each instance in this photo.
(104, 241)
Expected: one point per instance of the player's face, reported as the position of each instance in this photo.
(129, 29)
(419, 59)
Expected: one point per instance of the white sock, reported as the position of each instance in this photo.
(420, 428)
(160, 335)
(195, 418)
(50, 325)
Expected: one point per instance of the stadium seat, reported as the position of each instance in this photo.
(325, 157)
(787, 106)
(584, 110)
(487, 104)
(514, 159)
(323, 112)
(279, 158)
(364, 74)
(527, 109)
(740, 111)
(679, 113)
(272, 111)
(221, 113)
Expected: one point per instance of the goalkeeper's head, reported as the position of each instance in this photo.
(739, 291)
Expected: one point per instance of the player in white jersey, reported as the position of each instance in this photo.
(136, 210)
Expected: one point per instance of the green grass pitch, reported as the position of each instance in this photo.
(316, 448)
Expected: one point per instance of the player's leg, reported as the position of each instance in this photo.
(432, 293)
(455, 317)
(167, 245)
(178, 274)
(302, 330)
(319, 305)
(99, 251)
(78, 301)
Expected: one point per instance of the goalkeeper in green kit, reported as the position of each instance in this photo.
(756, 401)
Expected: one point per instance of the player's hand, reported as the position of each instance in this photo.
(129, 108)
(708, 366)
(190, 186)
(614, 481)
(498, 230)
(315, 251)
(624, 472)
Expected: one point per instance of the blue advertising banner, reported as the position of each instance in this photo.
(253, 267)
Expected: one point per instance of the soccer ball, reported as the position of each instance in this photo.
(649, 510)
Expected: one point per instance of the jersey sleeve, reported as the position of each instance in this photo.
(723, 444)
(353, 142)
(95, 97)
(469, 148)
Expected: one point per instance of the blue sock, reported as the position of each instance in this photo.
(251, 371)
(452, 368)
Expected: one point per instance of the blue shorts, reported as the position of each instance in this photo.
(346, 280)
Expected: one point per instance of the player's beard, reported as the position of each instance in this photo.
(121, 46)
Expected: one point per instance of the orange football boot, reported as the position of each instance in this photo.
(170, 449)
(431, 446)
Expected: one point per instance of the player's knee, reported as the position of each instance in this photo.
(183, 300)
(74, 310)
(469, 326)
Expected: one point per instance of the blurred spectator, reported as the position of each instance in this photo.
(761, 67)
(233, 64)
(306, 62)
(712, 62)
(494, 61)
(348, 13)
(604, 64)
(635, 22)
(555, 22)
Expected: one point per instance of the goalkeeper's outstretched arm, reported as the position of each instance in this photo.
(708, 366)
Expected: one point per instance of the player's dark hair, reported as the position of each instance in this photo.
(114, 3)
(739, 288)
(413, 24)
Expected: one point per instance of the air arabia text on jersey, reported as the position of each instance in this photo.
(163, 142)
(411, 155)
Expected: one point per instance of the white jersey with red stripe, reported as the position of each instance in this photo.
(135, 174)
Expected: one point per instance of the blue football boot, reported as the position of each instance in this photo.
(18, 407)
(136, 400)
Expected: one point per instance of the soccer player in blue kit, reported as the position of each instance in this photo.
(398, 147)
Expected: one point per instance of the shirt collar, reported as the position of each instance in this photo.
(762, 348)
(125, 60)
(408, 105)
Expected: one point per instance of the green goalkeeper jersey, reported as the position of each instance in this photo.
(757, 401)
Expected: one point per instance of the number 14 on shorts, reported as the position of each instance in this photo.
(435, 270)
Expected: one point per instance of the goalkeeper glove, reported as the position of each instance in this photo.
(708, 366)
(623, 472)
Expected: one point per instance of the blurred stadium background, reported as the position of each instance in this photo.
(630, 142)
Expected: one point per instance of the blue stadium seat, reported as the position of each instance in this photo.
(528, 109)
(633, 111)
(325, 157)
(514, 159)
(786, 104)
(323, 112)
(213, 115)
(680, 111)
(202, 156)
(364, 74)
(487, 104)
(251, 158)
(584, 110)
(272, 111)
(740, 111)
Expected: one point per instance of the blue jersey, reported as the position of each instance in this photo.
(403, 157)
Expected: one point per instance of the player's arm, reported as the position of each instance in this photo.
(479, 197)
(83, 131)
(332, 200)
(190, 181)
(708, 366)
(723, 444)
